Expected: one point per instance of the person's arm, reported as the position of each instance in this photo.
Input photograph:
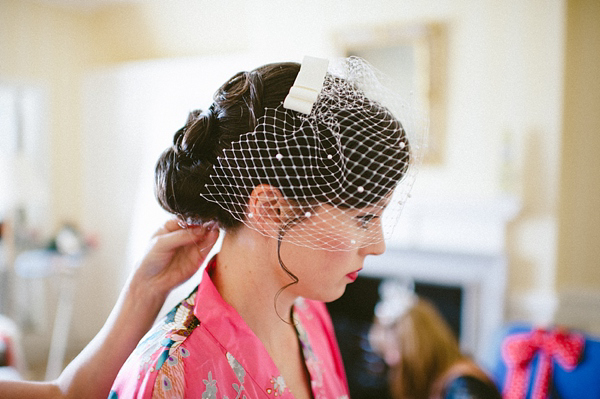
(173, 256)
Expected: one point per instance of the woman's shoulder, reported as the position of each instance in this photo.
(171, 332)
(157, 361)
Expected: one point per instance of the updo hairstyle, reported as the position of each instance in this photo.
(371, 149)
(184, 169)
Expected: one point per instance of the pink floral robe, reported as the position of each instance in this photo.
(203, 349)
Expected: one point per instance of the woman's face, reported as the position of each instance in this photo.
(324, 273)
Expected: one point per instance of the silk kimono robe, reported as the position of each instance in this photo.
(203, 349)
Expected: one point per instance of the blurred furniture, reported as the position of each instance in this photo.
(4, 289)
(12, 363)
(42, 264)
(352, 316)
(6, 256)
(532, 363)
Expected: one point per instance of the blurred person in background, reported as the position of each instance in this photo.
(422, 352)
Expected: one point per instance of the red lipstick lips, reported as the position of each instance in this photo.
(353, 276)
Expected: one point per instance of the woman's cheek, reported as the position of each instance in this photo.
(334, 243)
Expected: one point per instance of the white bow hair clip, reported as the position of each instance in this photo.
(307, 86)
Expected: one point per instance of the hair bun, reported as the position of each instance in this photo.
(197, 140)
(183, 171)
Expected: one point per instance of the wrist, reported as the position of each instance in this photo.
(141, 294)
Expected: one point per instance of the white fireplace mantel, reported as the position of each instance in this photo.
(457, 243)
(453, 224)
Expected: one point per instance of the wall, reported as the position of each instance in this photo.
(45, 46)
(578, 274)
(532, 96)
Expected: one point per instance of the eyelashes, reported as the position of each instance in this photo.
(364, 221)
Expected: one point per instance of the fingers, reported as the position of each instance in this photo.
(178, 237)
(170, 225)
(175, 224)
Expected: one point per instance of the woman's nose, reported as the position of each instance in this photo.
(376, 246)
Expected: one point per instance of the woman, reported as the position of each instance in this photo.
(422, 352)
(172, 258)
(296, 165)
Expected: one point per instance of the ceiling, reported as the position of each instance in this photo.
(85, 5)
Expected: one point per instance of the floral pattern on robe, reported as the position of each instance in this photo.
(204, 349)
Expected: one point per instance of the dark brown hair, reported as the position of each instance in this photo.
(183, 170)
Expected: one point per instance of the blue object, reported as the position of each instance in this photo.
(581, 383)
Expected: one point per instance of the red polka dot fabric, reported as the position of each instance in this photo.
(519, 350)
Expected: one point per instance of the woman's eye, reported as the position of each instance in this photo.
(364, 221)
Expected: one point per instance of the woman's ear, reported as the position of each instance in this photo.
(266, 209)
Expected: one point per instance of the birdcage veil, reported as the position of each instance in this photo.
(341, 153)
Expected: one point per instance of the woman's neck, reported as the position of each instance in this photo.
(248, 277)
